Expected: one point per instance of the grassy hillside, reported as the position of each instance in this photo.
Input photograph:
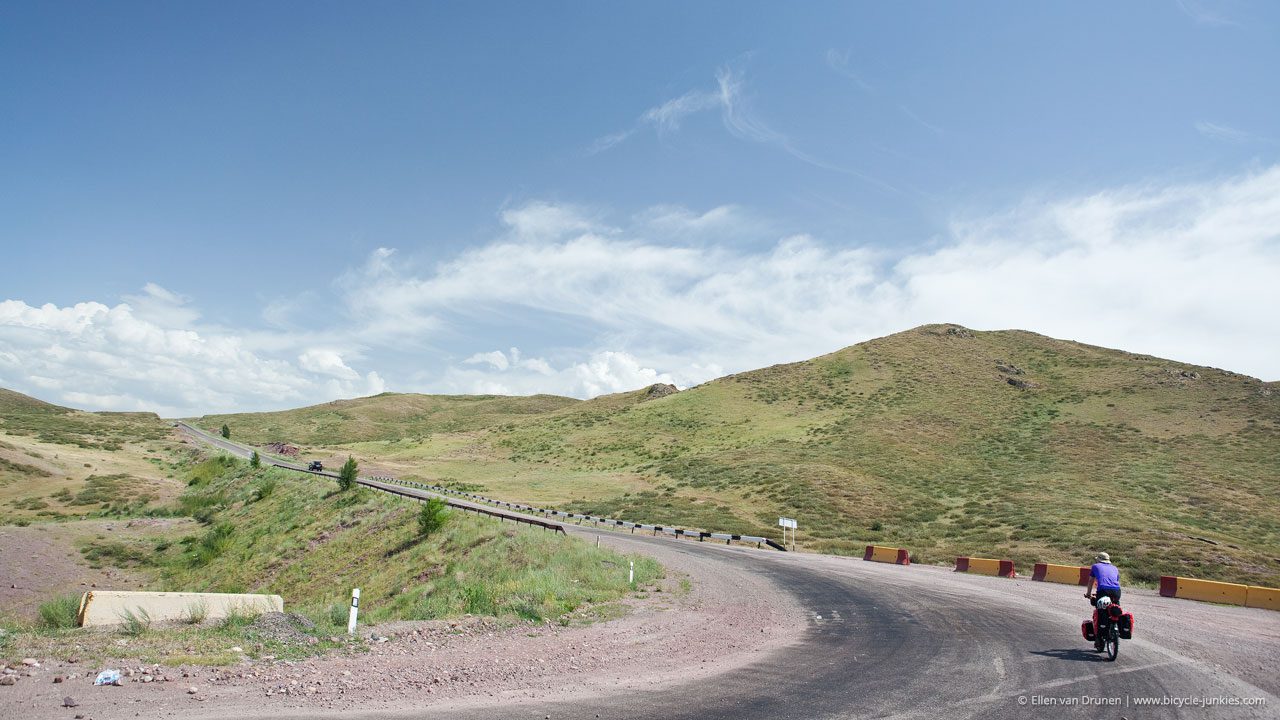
(273, 531)
(940, 439)
(281, 532)
(58, 463)
(389, 416)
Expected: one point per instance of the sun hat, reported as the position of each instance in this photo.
(1103, 557)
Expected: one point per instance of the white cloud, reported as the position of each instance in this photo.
(94, 356)
(511, 373)
(496, 359)
(1181, 270)
(326, 362)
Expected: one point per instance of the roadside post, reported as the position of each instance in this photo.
(355, 607)
(784, 523)
(631, 574)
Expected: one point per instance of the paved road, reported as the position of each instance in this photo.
(914, 642)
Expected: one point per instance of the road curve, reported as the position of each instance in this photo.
(886, 641)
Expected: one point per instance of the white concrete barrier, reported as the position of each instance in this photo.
(101, 608)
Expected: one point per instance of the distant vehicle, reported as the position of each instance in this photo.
(316, 466)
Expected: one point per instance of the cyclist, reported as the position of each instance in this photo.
(1106, 576)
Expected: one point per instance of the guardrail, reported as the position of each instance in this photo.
(469, 508)
(383, 483)
(701, 535)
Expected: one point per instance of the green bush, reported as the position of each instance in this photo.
(212, 544)
(226, 431)
(433, 515)
(255, 461)
(263, 489)
(134, 624)
(347, 475)
(60, 612)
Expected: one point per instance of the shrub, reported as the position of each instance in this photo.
(60, 612)
(195, 613)
(212, 544)
(263, 489)
(134, 624)
(433, 515)
(347, 475)
(254, 460)
(226, 431)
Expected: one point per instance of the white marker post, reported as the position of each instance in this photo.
(785, 523)
(355, 608)
(631, 574)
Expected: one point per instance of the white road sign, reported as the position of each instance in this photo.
(787, 523)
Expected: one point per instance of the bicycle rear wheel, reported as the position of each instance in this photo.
(1113, 643)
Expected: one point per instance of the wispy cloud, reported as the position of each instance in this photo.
(1201, 12)
(664, 118)
(839, 61)
(738, 117)
(920, 121)
(1227, 133)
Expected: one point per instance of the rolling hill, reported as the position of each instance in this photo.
(940, 439)
(58, 463)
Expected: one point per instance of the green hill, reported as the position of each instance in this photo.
(389, 416)
(939, 439)
(57, 463)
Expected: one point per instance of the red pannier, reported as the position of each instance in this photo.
(1126, 626)
(1086, 629)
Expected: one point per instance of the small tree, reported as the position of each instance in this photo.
(433, 515)
(226, 431)
(347, 475)
(255, 461)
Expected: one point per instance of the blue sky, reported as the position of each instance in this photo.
(217, 206)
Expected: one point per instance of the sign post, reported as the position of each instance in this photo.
(784, 523)
(355, 607)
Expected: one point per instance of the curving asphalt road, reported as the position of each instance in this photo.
(886, 641)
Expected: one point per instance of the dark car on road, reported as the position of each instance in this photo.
(315, 466)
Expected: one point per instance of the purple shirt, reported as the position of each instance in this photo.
(1107, 575)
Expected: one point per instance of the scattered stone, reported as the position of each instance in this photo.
(237, 649)
(69, 701)
(146, 679)
(9, 680)
(1020, 384)
(30, 662)
(192, 690)
(659, 390)
(284, 627)
(57, 679)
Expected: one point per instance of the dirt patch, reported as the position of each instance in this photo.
(41, 561)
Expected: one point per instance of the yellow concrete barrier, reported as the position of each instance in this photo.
(985, 566)
(1262, 597)
(880, 553)
(1212, 591)
(103, 608)
(1065, 574)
